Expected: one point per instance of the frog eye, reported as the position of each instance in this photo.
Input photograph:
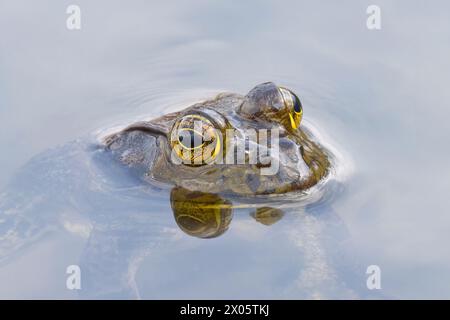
(293, 105)
(195, 140)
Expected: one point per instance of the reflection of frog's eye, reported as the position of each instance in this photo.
(202, 215)
(293, 105)
(195, 140)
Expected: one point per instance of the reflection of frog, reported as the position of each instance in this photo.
(207, 215)
(148, 147)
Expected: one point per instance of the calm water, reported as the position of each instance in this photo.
(380, 97)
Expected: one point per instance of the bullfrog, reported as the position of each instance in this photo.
(251, 154)
(226, 127)
(164, 150)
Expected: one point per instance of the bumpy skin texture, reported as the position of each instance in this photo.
(145, 147)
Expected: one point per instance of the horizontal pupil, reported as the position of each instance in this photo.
(190, 139)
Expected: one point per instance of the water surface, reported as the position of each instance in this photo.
(380, 97)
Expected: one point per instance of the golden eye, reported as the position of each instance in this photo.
(195, 140)
(293, 105)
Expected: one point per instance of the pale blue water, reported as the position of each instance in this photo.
(380, 97)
